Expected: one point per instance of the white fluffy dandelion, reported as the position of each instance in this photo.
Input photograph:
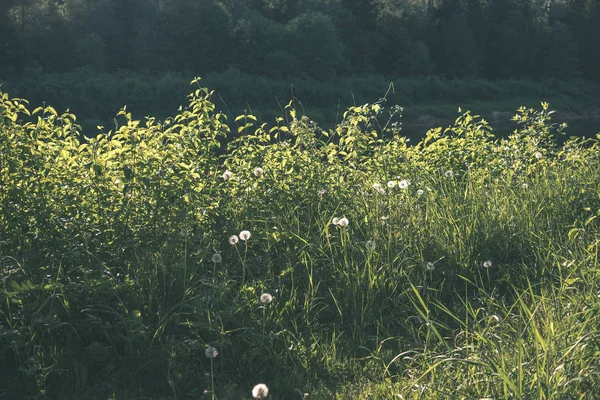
(420, 192)
(539, 155)
(391, 184)
(335, 221)
(211, 352)
(233, 240)
(258, 172)
(216, 258)
(245, 235)
(266, 298)
(379, 188)
(487, 264)
(227, 175)
(260, 391)
(429, 266)
(343, 222)
(525, 185)
(403, 184)
(449, 174)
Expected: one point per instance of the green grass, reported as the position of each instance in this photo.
(468, 267)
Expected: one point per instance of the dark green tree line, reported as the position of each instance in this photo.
(310, 38)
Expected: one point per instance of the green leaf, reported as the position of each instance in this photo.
(51, 110)
(573, 233)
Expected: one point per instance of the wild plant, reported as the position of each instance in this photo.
(347, 261)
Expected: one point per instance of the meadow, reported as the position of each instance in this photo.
(180, 259)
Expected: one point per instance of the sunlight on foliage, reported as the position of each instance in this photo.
(196, 256)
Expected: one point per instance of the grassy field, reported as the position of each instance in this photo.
(149, 262)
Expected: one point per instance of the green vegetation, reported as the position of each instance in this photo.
(319, 39)
(95, 97)
(93, 56)
(147, 262)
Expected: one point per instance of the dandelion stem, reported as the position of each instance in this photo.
(212, 380)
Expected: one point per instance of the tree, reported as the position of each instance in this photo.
(561, 58)
(278, 10)
(511, 50)
(364, 11)
(315, 42)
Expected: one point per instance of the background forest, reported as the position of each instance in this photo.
(96, 55)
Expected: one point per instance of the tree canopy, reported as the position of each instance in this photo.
(308, 38)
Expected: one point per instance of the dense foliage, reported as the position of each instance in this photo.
(318, 39)
(93, 56)
(148, 261)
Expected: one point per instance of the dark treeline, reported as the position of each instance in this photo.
(306, 38)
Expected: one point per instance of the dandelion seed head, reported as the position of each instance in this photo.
(258, 172)
(376, 186)
(343, 222)
(227, 175)
(211, 352)
(370, 245)
(245, 235)
(233, 240)
(525, 185)
(487, 264)
(539, 155)
(391, 184)
(420, 192)
(216, 258)
(260, 391)
(266, 298)
(403, 184)
(449, 174)
(429, 266)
